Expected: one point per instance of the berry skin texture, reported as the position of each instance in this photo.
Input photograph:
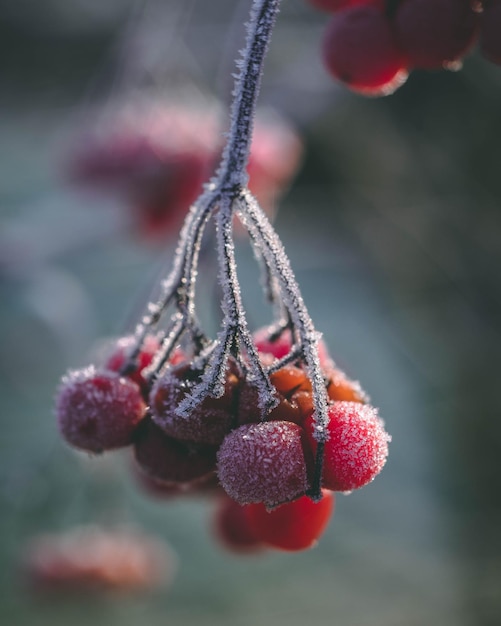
(169, 461)
(490, 31)
(357, 447)
(360, 50)
(98, 410)
(207, 424)
(292, 526)
(264, 462)
(435, 33)
(232, 529)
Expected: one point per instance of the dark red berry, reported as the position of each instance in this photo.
(360, 50)
(263, 462)
(490, 31)
(231, 527)
(356, 449)
(435, 33)
(168, 460)
(209, 422)
(98, 410)
(292, 526)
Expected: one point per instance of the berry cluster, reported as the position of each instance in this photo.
(371, 45)
(89, 558)
(262, 461)
(265, 419)
(157, 157)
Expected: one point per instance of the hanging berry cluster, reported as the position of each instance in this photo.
(264, 418)
(372, 45)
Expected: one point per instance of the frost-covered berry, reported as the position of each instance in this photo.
(264, 462)
(268, 342)
(209, 422)
(232, 528)
(340, 387)
(292, 526)
(168, 460)
(146, 354)
(98, 410)
(357, 447)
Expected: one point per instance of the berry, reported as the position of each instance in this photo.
(231, 527)
(167, 460)
(264, 462)
(208, 423)
(90, 558)
(340, 387)
(332, 6)
(294, 395)
(359, 49)
(268, 342)
(292, 526)
(435, 33)
(490, 31)
(98, 410)
(146, 354)
(356, 449)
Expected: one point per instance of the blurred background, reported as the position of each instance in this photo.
(393, 228)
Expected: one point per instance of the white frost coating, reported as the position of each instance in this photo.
(263, 463)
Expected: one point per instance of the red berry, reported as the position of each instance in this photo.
(144, 358)
(263, 462)
(337, 5)
(435, 33)
(359, 49)
(98, 410)
(279, 346)
(208, 423)
(490, 31)
(168, 460)
(357, 447)
(231, 527)
(296, 525)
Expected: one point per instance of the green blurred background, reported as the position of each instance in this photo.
(394, 231)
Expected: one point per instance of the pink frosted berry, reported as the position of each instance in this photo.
(357, 447)
(98, 410)
(208, 423)
(169, 461)
(264, 462)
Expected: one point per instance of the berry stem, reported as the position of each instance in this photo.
(226, 194)
(232, 171)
